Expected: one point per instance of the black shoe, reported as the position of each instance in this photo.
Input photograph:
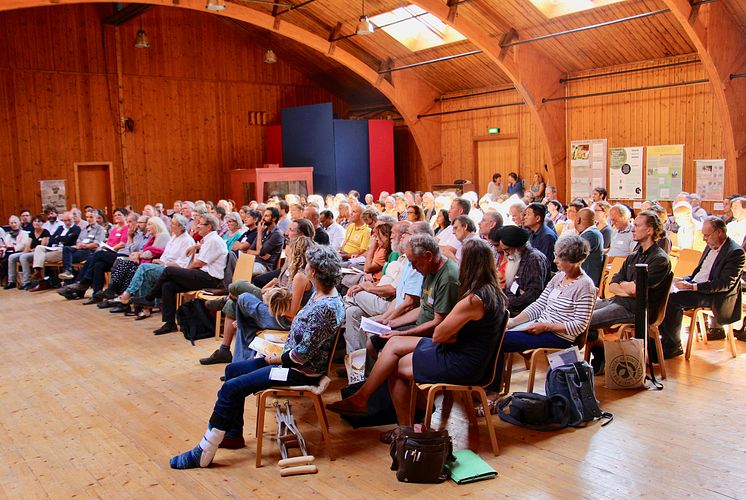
(740, 335)
(10, 285)
(598, 359)
(106, 304)
(216, 305)
(222, 378)
(673, 354)
(98, 295)
(143, 301)
(217, 357)
(72, 294)
(109, 294)
(120, 308)
(166, 328)
(92, 300)
(715, 334)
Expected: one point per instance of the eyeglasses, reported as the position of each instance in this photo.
(204, 224)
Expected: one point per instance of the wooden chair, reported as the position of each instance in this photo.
(699, 327)
(613, 265)
(244, 271)
(687, 262)
(487, 380)
(313, 392)
(625, 329)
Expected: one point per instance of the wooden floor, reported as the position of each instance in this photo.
(93, 405)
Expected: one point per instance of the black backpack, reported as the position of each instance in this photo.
(195, 321)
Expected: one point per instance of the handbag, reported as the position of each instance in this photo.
(625, 363)
(421, 457)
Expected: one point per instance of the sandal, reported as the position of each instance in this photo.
(492, 406)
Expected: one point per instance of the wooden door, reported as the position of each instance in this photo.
(94, 185)
(495, 155)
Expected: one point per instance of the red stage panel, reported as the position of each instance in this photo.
(381, 142)
(274, 145)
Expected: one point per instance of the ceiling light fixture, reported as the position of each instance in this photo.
(270, 57)
(364, 26)
(215, 5)
(141, 39)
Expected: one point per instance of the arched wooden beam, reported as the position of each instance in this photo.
(410, 95)
(721, 45)
(533, 75)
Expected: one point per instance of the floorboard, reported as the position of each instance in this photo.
(93, 405)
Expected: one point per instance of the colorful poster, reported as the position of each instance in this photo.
(710, 176)
(53, 195)
(665, 167)
(587, 167)
(625, 173)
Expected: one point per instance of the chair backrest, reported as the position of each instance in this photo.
(583, 337)
(674, 238)
(615, 264)
(597, 279)
(244, 268)
(490, 375)
(331, 353)
(688, 260)
(657, 319)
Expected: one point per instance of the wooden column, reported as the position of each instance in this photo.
(721, 45)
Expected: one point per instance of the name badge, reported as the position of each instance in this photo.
(431, 300)
(279, 374)
(514, 288)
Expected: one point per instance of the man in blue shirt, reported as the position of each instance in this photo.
(542, 238)
(593, 264)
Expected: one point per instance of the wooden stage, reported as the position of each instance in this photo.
(94, 405)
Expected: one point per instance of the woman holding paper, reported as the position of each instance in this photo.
(303, 361)
(459, 349)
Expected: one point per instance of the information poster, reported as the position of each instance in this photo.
(587, 167)
(625, 173)
(710, 179)
(665, 165)
(53, 195)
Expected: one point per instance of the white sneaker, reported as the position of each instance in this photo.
(65, 275)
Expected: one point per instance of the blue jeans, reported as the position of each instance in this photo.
(516, 341)
(71, 255)
(252, 315)
(242, 379)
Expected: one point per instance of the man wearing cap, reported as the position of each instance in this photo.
(523, 269)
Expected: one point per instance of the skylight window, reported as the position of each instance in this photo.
(415, 28)
(556, 8)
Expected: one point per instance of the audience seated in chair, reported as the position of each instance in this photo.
(306, 354)
(460, 345)
(593, 264)
(65, 235)
(88, 241)
(268, 244)
(37, 237)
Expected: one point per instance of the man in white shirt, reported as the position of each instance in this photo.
(284, 221)
(622, 242)
(335, 231)
(447, 241)
(205, 271)
(737, 226)
(52, 224)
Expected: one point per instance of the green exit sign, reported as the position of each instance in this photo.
(493, 130)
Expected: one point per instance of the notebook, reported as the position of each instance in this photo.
(469, 467)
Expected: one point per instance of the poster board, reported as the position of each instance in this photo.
(710, 179)
(625, 173)
(53, 194)
(587, 167)
(665, 167)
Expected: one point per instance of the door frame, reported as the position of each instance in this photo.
(108, 164)
(485, 138)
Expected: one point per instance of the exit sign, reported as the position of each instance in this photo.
(493, 130)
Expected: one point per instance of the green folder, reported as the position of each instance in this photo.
(469, 467)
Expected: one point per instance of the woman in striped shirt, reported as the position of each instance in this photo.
(562, 312)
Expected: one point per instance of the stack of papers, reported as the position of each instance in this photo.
(265, 348)
(370, 326)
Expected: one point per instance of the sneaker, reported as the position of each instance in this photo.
(216, 304)
(217, 357)
(11, 284)
(66, 275)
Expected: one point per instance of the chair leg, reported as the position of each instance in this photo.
(659, 350)
(690, 340)
(430, 402)
(532, 369)
(730, 339)
(413, 399)
(261, 403)
(488, 421)
(218, 324)
(323, 423)
(702, 326)
(507, 372)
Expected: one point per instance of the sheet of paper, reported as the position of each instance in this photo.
(265, 347)
(280, 374)
(370, 326)
(564, 357)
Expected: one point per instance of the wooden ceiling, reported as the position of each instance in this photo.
(653, 37)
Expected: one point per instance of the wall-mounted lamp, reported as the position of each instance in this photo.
(141, 39)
